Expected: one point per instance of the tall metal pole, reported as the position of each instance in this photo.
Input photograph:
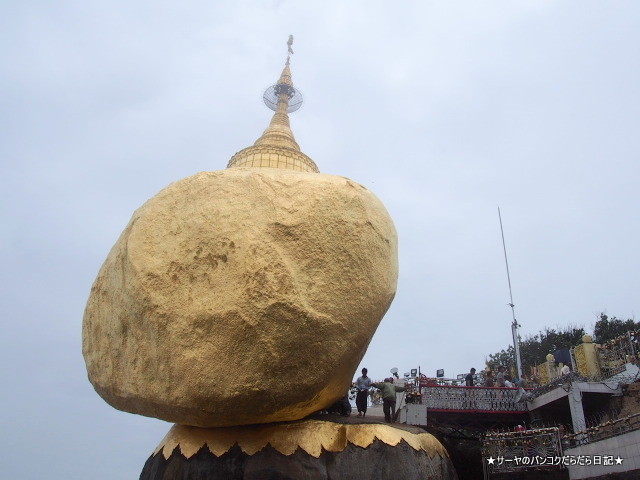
(514, 324)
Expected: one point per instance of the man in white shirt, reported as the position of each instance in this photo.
(507, 381)
(363, 384)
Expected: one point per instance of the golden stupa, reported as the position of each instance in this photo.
(277, 147)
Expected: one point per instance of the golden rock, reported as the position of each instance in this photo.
(240, 296)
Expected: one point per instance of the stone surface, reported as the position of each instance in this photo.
(288, 451)
(240, 296)
(378, 462)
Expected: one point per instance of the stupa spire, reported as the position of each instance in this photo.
(279, 130)
(277, 147)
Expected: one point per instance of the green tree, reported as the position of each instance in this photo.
(607, 328)
(503, 357)
(534, 348)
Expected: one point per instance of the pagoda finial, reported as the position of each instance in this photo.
(289, 49)
(289, 43)
(284, 152)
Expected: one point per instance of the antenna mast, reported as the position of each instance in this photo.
(514, 324)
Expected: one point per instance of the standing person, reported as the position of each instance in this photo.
(488, 379)
(500, 377)
(566, 370)
(523, 382)
(363, 384)
(468, 380)
(470, 394)
(388, 391)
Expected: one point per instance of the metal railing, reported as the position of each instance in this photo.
(603, 431)
(458, 398)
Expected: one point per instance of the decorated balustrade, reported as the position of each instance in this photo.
(529, 450)
(454, 398)
(614, 354)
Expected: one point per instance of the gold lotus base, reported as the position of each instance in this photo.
(312, 436)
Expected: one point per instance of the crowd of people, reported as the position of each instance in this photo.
(501, 379)
(387, 389)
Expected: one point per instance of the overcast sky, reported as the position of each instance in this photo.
(445, 110)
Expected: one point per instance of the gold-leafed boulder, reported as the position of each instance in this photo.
(240, 296)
